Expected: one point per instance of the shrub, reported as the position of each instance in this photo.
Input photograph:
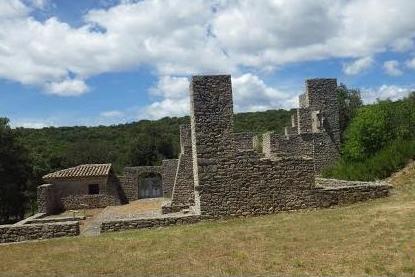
(379, 141)
(380, 165)
(378, 125)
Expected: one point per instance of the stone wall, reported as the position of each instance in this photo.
(342, 195)
(79, 185)
(244, 141)
(74, 202)
(140, 223)
(46, 199)
(54, 219)
(304, 120)
(288, 145)
(326, 151)
(314, 128)
(336, 183)
(229, 184)
(16, 233)
(168, 172)
(183, 190)
(322, 96)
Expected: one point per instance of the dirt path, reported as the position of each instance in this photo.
(92, 225)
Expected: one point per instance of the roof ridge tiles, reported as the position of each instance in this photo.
(83, 170)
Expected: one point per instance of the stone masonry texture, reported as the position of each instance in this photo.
(314, 130)
(72, 193)
(139, 223)
(230, 182)
(183, 190)
(16, 233)
(131, 179)
(168, 169)
(244, 141)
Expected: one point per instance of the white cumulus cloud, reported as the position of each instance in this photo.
(172, 98)
(181, 37)
(112, 114)
(383, 92)
(392, 68)
(67, 88)
(250, 93)
(40, 4)
(358, 66)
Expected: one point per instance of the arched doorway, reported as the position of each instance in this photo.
(150, 185)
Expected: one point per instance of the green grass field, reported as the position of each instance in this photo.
(372, 238)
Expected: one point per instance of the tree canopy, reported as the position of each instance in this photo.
(15, 172)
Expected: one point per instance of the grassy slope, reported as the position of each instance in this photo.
(374, 238)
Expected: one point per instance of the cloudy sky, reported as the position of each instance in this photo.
(90, 62)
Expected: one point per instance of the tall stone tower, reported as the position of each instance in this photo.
(212, 128)
(319, 114)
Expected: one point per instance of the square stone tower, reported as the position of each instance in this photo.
(211, 118)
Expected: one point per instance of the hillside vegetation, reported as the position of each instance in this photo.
(379, 140)
(54, 148)
(370, 238)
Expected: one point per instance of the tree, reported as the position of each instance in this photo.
(15, 172)
(378, 125)
(150, 147)
(88, 151)
(349, 101)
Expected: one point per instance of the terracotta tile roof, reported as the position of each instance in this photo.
(83, 170)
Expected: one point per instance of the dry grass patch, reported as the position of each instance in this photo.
(371, 238)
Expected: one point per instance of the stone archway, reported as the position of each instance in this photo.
(150, 185)
(132, 182)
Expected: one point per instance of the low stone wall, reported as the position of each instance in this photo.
(16, 233)
(342, 195)
(335, 183)
(55, 220)
(167, 208)
(74, 202)
(140, 223)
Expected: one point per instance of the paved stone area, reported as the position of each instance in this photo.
(143, 208)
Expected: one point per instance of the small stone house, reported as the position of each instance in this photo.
(82, 186)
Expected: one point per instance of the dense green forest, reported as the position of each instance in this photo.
(377, 139)
(139, 143)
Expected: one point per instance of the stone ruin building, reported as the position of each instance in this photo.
(230, 180)
(219, 173)
(96, 186)
(73, 187)
(314, 130)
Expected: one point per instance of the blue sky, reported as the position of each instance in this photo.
(65, 63)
